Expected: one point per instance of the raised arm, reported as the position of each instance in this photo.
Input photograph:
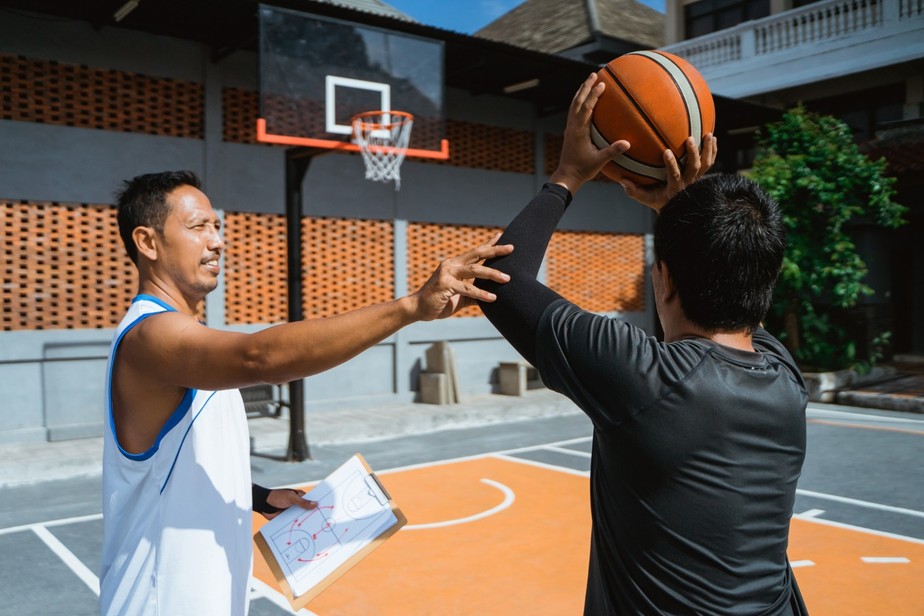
(521, 302)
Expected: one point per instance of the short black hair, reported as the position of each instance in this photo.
(142, 202)
(723, 240)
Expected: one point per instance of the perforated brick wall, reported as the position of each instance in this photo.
(601, 272)
(50, 92)
(429, 244)
(255, 268)
(240, 109)
(479, 146)
(346, 263)
(63, 267)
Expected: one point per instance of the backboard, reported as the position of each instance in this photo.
(316, 73)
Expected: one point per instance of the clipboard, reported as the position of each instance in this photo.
(308, 550)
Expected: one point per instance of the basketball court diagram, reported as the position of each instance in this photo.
(317, 534)
(352, 511)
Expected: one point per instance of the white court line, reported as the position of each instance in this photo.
(868, 531)
(811, 513)
(573, 452)
(549, 467)
(857, 416)
(74, 563)
(477, 456)
(861, 503)
(259, 588)
(509, 497)
(885, 560)
(61, 522)
(802, 563)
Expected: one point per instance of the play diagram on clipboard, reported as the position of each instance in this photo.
(308, 550)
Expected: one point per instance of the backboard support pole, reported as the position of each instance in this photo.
(297, 163)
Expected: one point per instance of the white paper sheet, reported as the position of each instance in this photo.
(352, 511)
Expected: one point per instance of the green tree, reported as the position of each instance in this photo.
(810, 164)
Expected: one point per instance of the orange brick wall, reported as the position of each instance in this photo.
(255, 268)
(52, 92)
(346, 264)
(63, 267)
(429, 244)
(601, 272)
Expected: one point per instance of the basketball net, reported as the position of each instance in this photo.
(383, 137)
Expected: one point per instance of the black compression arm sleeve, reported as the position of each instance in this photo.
(259, 495)
(520, 303)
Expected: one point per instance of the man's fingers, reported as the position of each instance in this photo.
(691, 170)
(485, 251)
(583, 91)
(486, 273)
(710, 151)
(672, 168)
(304, 503)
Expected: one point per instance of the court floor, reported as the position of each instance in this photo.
(502, 533)
(509, 533)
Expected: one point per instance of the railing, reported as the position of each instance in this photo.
(810, 25)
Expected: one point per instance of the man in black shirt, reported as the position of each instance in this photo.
(698, 440)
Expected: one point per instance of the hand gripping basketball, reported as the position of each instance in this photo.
(656, 101)
(698, 164)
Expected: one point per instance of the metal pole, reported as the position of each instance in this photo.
(297, 161)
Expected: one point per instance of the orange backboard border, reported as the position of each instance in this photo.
(265, 137)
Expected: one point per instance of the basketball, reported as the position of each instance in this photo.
(654, 100)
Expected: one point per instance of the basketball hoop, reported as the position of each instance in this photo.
(383, 137)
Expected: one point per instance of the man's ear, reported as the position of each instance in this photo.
(668, 290)
(145, 239)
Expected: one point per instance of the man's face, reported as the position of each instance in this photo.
(192, 243)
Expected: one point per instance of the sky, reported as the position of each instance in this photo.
(467, 16)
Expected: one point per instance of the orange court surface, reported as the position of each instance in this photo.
(500, 535)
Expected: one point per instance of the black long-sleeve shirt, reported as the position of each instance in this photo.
(697, 447)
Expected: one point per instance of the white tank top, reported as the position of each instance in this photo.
(176, 518)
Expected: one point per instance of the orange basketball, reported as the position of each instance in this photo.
(654, 100)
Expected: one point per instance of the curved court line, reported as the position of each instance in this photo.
(509, 497)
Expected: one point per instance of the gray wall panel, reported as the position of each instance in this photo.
(74, 42)
(59, 163)
(252, 178)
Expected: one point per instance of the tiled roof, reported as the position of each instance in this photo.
(904, 149)
(553, 26)
(376, 7)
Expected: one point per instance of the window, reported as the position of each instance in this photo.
(708, 16)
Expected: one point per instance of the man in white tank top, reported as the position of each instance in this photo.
(176, 465)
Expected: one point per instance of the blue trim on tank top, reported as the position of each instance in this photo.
(183, 440)
(154, 300)
(178, 413)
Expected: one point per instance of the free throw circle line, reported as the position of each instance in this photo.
(509, 497)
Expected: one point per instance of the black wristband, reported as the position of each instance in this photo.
(259, 495)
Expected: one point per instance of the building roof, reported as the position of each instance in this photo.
(375, 7)
(902, 146)
(554, 26)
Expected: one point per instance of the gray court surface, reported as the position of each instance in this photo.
(863, 469)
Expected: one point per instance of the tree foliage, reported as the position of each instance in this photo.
(811, 166)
